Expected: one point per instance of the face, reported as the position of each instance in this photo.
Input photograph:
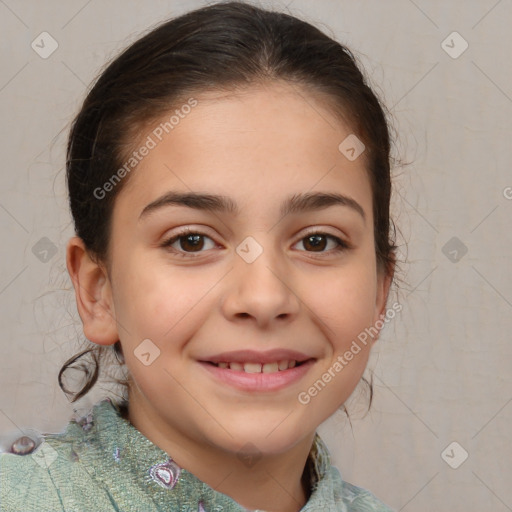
(299, 285)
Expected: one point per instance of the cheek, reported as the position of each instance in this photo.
(347, 304)
(162, 303)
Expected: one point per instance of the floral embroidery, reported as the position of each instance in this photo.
(86, 422)
(165, 474)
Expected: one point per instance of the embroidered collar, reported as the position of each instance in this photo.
(125, 451)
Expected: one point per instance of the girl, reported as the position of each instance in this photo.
(229, 181)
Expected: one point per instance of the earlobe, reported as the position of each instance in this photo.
(93, 294)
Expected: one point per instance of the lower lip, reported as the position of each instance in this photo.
(259, 381)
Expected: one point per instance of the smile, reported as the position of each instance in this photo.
(259, 367)
(257, 377)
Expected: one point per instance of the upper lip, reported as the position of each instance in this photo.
(253, 356)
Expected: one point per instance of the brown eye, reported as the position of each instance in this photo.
(191, 242)
(317, 242)
(187, 242)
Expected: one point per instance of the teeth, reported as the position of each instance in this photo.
(259, 368)
(270, 367)
(283, 365)
(252, 368)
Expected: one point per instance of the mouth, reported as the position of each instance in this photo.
(253, 371)
(273, 367)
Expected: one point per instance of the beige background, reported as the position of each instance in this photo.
(442, 367)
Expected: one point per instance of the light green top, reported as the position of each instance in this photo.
(103, 463)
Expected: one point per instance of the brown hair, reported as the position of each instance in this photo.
(219, 47)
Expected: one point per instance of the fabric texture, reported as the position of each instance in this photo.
(101, 463)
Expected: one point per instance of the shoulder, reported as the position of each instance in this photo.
(352, 498)
(26, 481)
(332, 493)
(56, 473)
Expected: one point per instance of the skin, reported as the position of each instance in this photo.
(257, 148)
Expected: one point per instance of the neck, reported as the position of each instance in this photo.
(273, 482)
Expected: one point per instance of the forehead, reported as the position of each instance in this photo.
(266, 141)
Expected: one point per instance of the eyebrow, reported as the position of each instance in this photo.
(296, 203)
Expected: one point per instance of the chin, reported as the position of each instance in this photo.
(274, 437)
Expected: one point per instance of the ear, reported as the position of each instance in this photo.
(93, 294)
(384, 280)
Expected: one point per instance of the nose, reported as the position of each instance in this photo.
(261, 291)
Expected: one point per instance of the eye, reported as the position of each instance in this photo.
(188, 240)
(317, 242)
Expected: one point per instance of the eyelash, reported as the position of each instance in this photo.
(342, 245)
